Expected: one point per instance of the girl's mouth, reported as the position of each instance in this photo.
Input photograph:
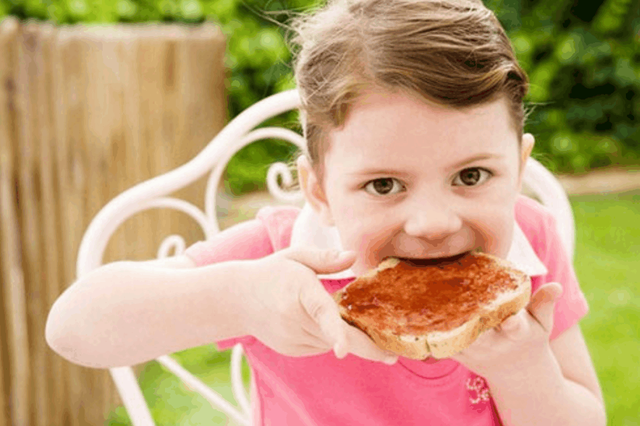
(435, 260)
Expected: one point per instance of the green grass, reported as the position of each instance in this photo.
(608, 268)
(607, 265)
(172, 403)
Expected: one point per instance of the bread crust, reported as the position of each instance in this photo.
(452, 340)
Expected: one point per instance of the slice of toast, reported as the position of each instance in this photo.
(435, 308)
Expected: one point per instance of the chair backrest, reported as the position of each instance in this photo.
(153, 193)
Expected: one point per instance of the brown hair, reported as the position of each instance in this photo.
(451, 52)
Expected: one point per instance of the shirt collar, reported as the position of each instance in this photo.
(308, 231)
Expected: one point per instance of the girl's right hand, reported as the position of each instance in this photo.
(289, 310)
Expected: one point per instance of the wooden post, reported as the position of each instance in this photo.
(85, 113)
(38, 214)
(70, 87)
(12, 264)
(51, 234)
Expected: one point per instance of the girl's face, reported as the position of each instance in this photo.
(407, 179)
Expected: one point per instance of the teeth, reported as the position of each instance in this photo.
(417, 259)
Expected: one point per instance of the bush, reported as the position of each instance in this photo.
(583, 60)
(582, 57)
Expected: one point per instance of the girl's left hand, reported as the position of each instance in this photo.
(516, 343)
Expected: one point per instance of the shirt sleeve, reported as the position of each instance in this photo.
(572, 305)
(248, 240)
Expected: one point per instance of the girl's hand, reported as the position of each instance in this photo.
(516, 343)
(289, 310)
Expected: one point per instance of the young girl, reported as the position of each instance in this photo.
(414, 121)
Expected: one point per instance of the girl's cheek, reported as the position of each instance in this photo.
(501, 236)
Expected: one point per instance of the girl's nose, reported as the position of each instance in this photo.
(432, 221)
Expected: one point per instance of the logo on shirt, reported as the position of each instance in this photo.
(478, 390)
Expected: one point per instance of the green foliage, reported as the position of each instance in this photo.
(582, 57)
(583, 61)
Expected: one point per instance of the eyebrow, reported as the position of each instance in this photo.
(483, 156)
(378, 172)
(391, 172)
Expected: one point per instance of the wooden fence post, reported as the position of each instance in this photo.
(85, 113)
(17, 348)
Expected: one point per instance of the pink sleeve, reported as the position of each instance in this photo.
(254, 239)
(572, 305)
(247, 240)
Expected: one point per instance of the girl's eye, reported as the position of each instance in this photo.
(472, 176)
(383, 186)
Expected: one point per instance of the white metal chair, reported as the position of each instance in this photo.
(213, 160)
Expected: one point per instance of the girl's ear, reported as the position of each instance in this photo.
(312, 190)
(528, 141)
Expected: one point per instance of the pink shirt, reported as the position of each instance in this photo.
(324, 390)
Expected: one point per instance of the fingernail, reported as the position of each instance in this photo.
(338, 351)
(510, 323)
(346, 255)
(390, 360)
(559, 293)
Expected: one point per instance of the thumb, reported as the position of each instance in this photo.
(324, 311)
(542, 304)
(322, 261)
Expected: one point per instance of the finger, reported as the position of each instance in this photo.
(514, 322)
(323, 311)
(357, 343)
(309, 349)
(361, 345)
(313, 336)
(322, 261)
(542, 304)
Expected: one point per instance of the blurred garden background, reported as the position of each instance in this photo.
(582, 57)
(583, 60)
